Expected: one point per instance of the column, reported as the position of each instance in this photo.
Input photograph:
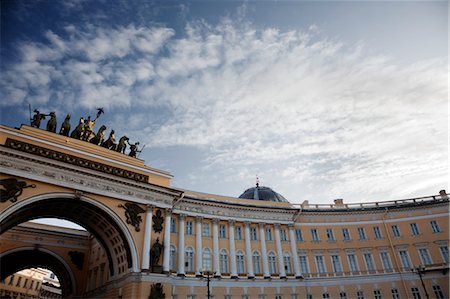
(298, 273)
(216, 263)
(232, 250)
(181, 271)
(248, 251)
(198, 246)
(166, 256)
(282, 270)
(147, 239)
(262, 236)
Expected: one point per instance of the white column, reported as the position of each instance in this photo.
(248, 251)
(216, 247)
(282, 270)
(262, 236)
(166, 256)
(198, 246)
(147, 239)
(298, 273)
(232, 250)
(181, 271)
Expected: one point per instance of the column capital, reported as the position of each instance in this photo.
(276, 225)
(168, 212)
(216, 220)
(182, 216)
(261, 224)
(247, 223)
(231, 222)
(291, 225)
(199, 218)
(150, 207)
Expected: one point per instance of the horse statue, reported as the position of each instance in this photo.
(110, 143)
(122, 144)
(65, 127)
(51, 124)
(88, 129)
(100, 136)
(78, 130)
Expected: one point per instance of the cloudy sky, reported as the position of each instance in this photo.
(321, 100)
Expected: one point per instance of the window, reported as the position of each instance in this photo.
(287, 262)
(272, 262)
(238, 233)
(223, 260)
(369, 262)
(352, 262)
(11, 280)
(415, 292)
(343, 295)
(385, 260)
(261, 296)
(405, 259)
(283, 235)
(309, 296)
(256, 260)
(173, 255)
(438, 292)
(278, 297)
(245, 297)
(294, 296)
(346, 234)
(298, 235)
(31, 284)
(19, 281)
(395, 293)
(320, 264)
(222, 231)
(360, 295)
(326, 296)
(362, 233)
(189, 228)
(52, 275)
(190, 297)
(207, 259)
(395, 230)
(303, 259)
(206, 230)
(240, 262)
(444, 253)
(377, 232)
(377, 294)
(425, 256)
(173, 225)
(269, 236)
(25, 283)
(435, 226)
(314, 235)
(414, 229)
(253, 233)
(37, 285)
(336, 262)
(225, 297)
(330, 235)
(189, 259)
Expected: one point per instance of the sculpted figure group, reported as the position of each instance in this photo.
(85, 131)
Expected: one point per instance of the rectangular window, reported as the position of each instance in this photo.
(19, 281)
(190, 297)
(314, 234)
(336, 262)
(294, 296)
(253, 233)
(360, 295)
(377, 294)
(31, 284)
(261, 296)
(245, 297)
(238, 233)
(385, 260)
(11, 280)
(425, 256)
(435, 226)
(395, 230)
(309, 296)
(173, 225)
(283, 235)
(415, 292)
(226, 297)
(404, 257)
(342, 295)
(330, 235)
(189, 228)
(377, 232)
(346, 234)
(370, 266)
(352, 262)
(326, 296)
(278, 297)
(438, 292)
(320, 264)
(361, 233)
(444, 253)
(37, 285)
(414, 229)
(222, 231)
(25, 283)
(395, 293)
(298, 235)
(269, 236)
(206, 230)
(303, 260)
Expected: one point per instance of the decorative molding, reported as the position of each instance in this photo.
(132, 212)
(12, 189)
(158, 221)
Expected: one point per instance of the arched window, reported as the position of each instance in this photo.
(189, 259)
(172, 258)
(287, 262)
(272, 258)
(206, 259)
(223, 261)
(256, 259)
(240, 262)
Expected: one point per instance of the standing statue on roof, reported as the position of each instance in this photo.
(121, 147)
(37, 117)
(88, 129)
(110, 143)
(65, 127)
(51, 124)
(134, 149)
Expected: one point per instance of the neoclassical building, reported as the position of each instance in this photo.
(148, 239)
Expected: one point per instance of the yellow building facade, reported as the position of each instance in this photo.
(151, 240)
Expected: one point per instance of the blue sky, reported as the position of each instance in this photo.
(321, 100)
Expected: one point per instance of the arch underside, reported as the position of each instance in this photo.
(92, 218)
